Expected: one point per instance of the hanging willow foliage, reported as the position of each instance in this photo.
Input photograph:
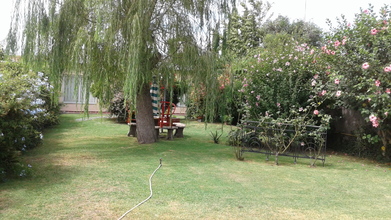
(121, 44)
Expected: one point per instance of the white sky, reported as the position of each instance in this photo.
(5, 18)
(316, 11)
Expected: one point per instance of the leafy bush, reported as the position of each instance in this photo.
(26, 109)
(118, 108)
(358, 74)
(275, 81)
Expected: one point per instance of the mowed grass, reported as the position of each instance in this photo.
(91, 170)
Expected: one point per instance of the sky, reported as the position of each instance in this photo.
(316, 11)
(5, 18)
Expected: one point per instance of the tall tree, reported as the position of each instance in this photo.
(285, 30)
(121, 42)
(244, 29)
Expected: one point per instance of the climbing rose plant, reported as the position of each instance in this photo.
(275, 83)
(276, 89)
(357, 61)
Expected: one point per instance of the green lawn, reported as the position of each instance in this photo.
(92, 170)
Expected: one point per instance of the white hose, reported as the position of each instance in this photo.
(150, 189)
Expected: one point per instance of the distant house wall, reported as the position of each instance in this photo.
(181, 110)
(72, 97)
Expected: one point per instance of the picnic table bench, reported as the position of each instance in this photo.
(178, 127)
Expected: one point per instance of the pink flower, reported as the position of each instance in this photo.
(337, 43)
(374, 31)
(365, 66)
(278, 104)
(287, 64)
(387, 69)
(388, 91)
(258, 97)
(372, 118)
(316, 112)
(316, 76)
(377, 83)
(323, 93)
(245, 85)
(366, 11)
(336, 81)
(338, 93)
(344, 41)
(386, 113)
(313, 83)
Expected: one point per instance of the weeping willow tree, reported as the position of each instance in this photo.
(122, 43)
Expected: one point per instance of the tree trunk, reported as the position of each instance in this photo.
(385, 136)
(144, 117)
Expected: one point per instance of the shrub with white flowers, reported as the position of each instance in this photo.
(25, 110)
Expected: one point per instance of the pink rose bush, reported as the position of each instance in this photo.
(360, 73)
(351, 70)
(279, 80)
(365, 66)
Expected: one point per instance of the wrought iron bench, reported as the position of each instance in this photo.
(308, 142)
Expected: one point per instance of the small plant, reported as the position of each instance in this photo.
(235, 138)
(216, 136)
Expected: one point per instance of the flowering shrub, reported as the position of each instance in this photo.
(277, 88)
(25, 110)
(279, 81)
(358, 69)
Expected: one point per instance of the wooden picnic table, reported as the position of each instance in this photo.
(178, 127)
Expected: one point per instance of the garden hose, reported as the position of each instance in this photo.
(150, 189)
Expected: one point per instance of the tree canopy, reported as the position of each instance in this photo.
(121, 44)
